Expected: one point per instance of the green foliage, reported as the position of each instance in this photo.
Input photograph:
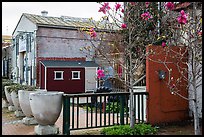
(5, 82)
(139, 129)
(17, 87)
(144, 129)
(114, 107)
(93, 107)
(89, 108)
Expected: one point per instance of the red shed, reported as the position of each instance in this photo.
(68, 76)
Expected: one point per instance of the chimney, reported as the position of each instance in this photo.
(44, 13)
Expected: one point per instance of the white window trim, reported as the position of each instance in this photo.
(62, 74)
(78, 75)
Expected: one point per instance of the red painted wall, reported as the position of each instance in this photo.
(162, 106)
(51, 58)
(67, 85)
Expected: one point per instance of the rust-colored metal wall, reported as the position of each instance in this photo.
(162, 106)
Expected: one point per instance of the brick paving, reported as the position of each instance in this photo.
(14, 126)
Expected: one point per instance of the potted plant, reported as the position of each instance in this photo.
(23, 96)
(46, 108)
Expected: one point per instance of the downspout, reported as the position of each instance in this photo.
(16, 55)
(26, 61)
(34, 59)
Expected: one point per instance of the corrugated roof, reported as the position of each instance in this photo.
(61, 63)
(63, 21)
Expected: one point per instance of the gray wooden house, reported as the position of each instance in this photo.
(41, 37)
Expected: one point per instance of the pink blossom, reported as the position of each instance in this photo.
(182, 12)
(163, 44)
(122, 10)
(169, 5)
(124, 26)
(182, 19)
(146, 16)
(100, 73)
(173, 86)
(147, 4)
(104, 7)
(117, 6)
(92, 32)
(133, 3)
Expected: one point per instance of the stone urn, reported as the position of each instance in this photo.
(18, 111)
(8, 97)
(23, 96)
(46, 108)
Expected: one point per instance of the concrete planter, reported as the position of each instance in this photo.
(8, 97)
(23, 96)
(18, 111)
(46, 108)
(4, 103)
(24, 101)
(14, 97)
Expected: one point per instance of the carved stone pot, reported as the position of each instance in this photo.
(18, 111)
(8, 97)
(46, 108)
(23, 96)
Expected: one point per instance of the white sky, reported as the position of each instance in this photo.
(12, 11)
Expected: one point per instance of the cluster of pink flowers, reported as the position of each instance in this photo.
(124, 26)
(182, 19)
(100, 73)
(163, 44)
(132, 3)
(92, 32)
(104, 7)
(146, 16)
(169, 5)
(117, 6)
(122, 10)
(147, 4)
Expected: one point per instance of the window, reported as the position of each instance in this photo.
(75, 74)
(58, 75)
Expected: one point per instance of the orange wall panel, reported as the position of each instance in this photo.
(162, 106)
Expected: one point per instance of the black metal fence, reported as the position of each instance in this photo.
(92, 110)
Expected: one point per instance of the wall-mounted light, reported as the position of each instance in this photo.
(161, 74)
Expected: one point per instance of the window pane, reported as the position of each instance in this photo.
(75, 75)
(58, 75)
